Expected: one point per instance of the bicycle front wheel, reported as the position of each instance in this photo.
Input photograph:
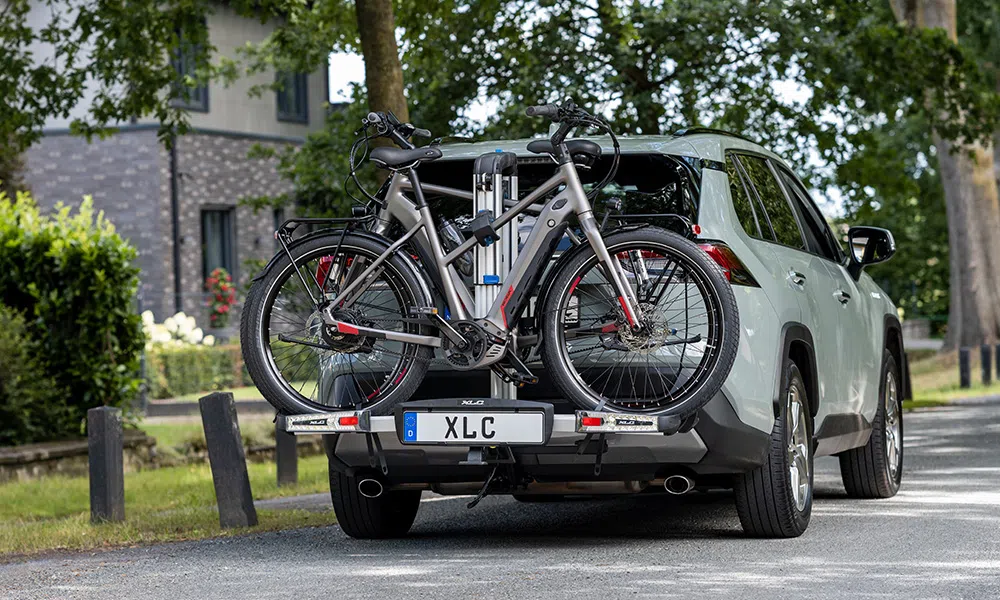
(681, 353)
(300, 370)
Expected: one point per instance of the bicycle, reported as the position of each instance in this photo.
(635, 319)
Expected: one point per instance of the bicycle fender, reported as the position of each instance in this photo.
(374, 237)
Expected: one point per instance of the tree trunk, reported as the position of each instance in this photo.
(970, 184)
(383, 71)
(11, 171)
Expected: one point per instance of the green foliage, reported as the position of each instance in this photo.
(651, 69)
(173, 371)
(30, 400)
(117, 51)
(892, 182)
(73, 279)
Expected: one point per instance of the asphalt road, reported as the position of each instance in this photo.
(939, 538)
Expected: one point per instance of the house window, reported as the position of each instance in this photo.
(217, 237)
(183, 60)
(292, 96)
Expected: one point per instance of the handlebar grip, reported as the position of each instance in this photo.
(424, 133)
(550, 111)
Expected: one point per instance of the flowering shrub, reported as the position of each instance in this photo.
(222, 296)
(178, 330)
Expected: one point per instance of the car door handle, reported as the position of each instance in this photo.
(796, 278)
(843, 296)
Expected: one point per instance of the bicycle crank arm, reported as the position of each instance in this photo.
(382, 334)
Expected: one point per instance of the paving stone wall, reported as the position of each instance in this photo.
(122, 173)
(128, 176)
(215, 173)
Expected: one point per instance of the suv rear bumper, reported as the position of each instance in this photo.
(719, 444)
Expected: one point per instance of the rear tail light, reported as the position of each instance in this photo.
(736, 272)
(323, 269)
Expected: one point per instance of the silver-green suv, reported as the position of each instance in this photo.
(820, 368)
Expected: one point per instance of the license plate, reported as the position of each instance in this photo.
(473, 428)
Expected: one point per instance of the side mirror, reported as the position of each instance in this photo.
(868, 246)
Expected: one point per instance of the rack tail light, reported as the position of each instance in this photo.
(736, 272)
(335, 422)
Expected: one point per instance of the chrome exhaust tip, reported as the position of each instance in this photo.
(678, 485)
(370, 488)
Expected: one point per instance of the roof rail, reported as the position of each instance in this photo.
(694, 130)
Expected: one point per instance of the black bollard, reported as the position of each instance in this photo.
(107, 472)
(987, 363)
(228, 460)
(964, 370)
(286, 455)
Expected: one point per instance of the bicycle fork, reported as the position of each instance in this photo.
(627, 298)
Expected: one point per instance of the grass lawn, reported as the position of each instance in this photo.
(935, 381)
(176, 503)
(175, 432)
(241, 393)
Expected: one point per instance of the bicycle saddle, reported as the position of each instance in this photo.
(388, 157)
(587, 148)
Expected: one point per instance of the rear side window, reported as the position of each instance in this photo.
(779, 212)
(818, 235)
(741, 199)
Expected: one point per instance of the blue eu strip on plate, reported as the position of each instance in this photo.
(409, 427)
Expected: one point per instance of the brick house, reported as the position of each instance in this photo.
(180, 208)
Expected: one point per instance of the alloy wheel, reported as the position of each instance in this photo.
(799, 475)
(893, 426)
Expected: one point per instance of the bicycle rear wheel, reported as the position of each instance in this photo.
(685, 346)
(300, 370)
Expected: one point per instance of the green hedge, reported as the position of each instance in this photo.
(173, 371)
(30, 400)
(74, 281)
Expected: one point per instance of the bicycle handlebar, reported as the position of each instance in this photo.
(386, 124)
(549, 111)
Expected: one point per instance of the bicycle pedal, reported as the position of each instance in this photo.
(423, 310)
(522, 380)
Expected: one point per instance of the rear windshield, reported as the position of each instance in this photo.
(645, 183)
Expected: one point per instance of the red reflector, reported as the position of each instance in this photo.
(592, 421)
(348, 421)
(696, 229)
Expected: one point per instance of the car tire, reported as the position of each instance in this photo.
(875, 470)
(390, 515)
(772, 500)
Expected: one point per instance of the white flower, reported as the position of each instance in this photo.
(170, 324)
(196, 335)
(147, 319)
(208, 340)
(161, 336)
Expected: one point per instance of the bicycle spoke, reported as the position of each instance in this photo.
(648, 368)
